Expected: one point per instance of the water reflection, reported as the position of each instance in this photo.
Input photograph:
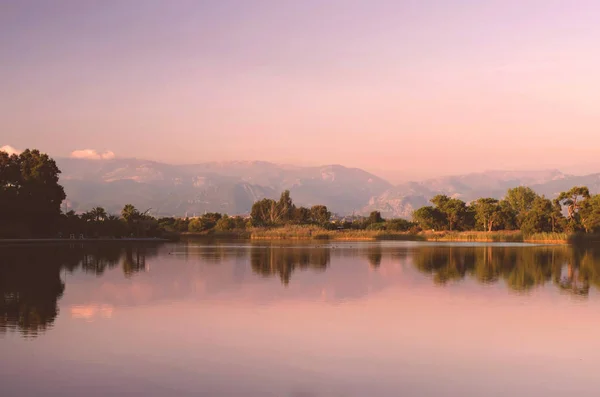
(572, 270)
(32, 279)
(283, 261)
(31, 283)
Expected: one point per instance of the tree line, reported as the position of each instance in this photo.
(575, 210)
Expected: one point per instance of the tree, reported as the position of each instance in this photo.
(261, 212)
(375, 217)
(429, 218)
(590, 214)
(538, 217)
(96, 214)
(301, 215)
(267, 212)
(520, 200)
(225, 223)
(452, 209)
(285, 208)
(319, 214)
(487, 213)
(30, 195)
(556, 216)
(129, 213)
(572, 199)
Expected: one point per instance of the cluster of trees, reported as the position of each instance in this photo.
(30, 195)
(521, 209)
(268, 212)
(98, 223)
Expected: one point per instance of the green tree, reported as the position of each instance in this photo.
(572, 200)
(453, 209)
(261, 212)
(301, 215)
(590, 214)
(538, 217)
(225, 223)
(285, 208)
(129, 213)
(520, 200)
(319, 214)
(429, 218)
(487, 213)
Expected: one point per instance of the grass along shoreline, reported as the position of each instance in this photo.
(296, 232)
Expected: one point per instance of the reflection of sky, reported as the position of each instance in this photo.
(194, 328)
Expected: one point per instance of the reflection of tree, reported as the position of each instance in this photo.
(31, 284)
(444, 263)
(267, 261)
(374, 255)
(134, 260)
(521, 268)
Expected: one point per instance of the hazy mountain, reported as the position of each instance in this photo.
(401, 200)
(232, 187)
(228, 187)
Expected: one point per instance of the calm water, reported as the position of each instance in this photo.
(341, 319)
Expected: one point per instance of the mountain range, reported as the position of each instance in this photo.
(232, 187)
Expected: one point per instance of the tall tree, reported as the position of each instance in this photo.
(590, 214)
(319, 214)
(487, 213)
(30, 195)
(129, 213)
(572, 200)
(429, 218)
(520, 200)
(538, 217)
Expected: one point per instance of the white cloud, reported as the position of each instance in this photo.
(9, 149)
(91, 154)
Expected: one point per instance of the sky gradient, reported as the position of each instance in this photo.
(415, 88)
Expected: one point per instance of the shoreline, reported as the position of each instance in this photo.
(298, 234)
(306, 234)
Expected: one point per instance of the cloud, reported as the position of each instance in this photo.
(91, 154)
(9, 149)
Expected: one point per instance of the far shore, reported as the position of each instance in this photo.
(320, 234)
(315, 233)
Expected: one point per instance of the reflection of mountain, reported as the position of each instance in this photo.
(31, 284)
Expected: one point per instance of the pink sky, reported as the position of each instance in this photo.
(396, 87)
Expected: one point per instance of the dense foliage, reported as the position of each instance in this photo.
(521, 209)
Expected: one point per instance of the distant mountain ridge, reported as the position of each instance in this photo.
(228, 187)
(232, 187)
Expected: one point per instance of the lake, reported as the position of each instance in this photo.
(299, 319)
